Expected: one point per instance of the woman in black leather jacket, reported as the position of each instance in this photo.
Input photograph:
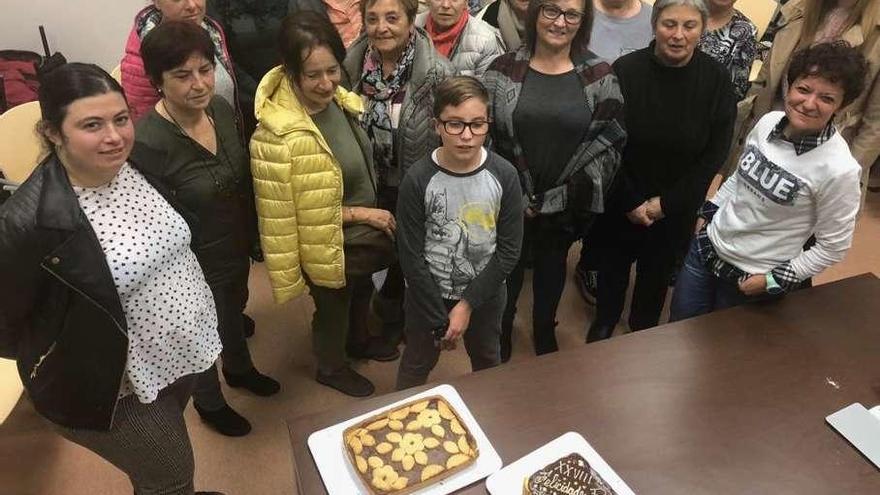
(102, 302)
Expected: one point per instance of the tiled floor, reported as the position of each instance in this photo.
(34, 460)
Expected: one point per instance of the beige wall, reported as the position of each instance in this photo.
(83, 30)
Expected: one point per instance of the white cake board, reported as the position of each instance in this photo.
(510, 479)
(340, 477)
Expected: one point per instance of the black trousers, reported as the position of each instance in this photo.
(545, 246)
(388, 302)
(618, 244)
(337, 311)
(230, 297)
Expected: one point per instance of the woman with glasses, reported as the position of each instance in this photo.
(207, 168)
(557, 116)
(680, 108)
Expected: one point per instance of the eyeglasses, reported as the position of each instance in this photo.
(456, 127)
(552, 12)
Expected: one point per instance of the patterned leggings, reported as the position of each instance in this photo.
(148, 442)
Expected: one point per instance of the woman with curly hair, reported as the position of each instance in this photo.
(795, 177)
(805, 23)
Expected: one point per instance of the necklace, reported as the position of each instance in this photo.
(223, 187)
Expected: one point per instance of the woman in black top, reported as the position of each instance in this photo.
(680, 109)
(556, 115)
(208, 169)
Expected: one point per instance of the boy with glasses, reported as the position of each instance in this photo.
(459, 230)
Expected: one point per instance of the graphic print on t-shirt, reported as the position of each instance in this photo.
(460, 219)
(770, 180)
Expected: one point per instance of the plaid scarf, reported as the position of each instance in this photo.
(381, 93)
(805, 143)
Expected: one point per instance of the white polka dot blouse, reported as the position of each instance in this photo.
(169, 309)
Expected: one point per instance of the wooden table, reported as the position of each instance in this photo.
(731, 402)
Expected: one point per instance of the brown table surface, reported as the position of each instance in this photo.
(730, 402)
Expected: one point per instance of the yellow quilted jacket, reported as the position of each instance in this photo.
(298, 189)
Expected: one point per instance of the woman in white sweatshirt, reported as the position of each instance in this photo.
(796, 177)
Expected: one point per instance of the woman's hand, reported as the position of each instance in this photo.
(754, 285)
(639, 215)
(701, 222)
(374, 217)
(459, 320)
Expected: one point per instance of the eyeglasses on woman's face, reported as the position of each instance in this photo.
(552, 12)
(456, 127)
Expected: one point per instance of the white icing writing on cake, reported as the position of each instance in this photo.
(571, 476)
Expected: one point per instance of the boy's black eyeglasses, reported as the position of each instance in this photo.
(552, 12)
(456, 127)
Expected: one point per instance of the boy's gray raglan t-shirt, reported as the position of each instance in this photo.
(459, 234)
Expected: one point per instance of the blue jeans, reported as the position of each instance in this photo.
(698, 291)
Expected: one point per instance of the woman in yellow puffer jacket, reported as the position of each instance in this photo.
(316, 194)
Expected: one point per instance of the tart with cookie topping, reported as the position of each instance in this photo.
(409, 447)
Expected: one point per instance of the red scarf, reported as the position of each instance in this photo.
(445, 41)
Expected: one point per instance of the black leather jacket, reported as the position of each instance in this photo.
(60, 314)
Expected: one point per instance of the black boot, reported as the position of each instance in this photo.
(506, 339)
(586, 283)
(545, 338)
(376, 348)
(253, 381)
(248, 326)
(599, 331)
(225, 421)
(347, 381)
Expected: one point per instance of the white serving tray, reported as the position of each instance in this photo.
(340, 477)
(510, 479)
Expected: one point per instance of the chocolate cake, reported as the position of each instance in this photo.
(406, 448)
(570, 475)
